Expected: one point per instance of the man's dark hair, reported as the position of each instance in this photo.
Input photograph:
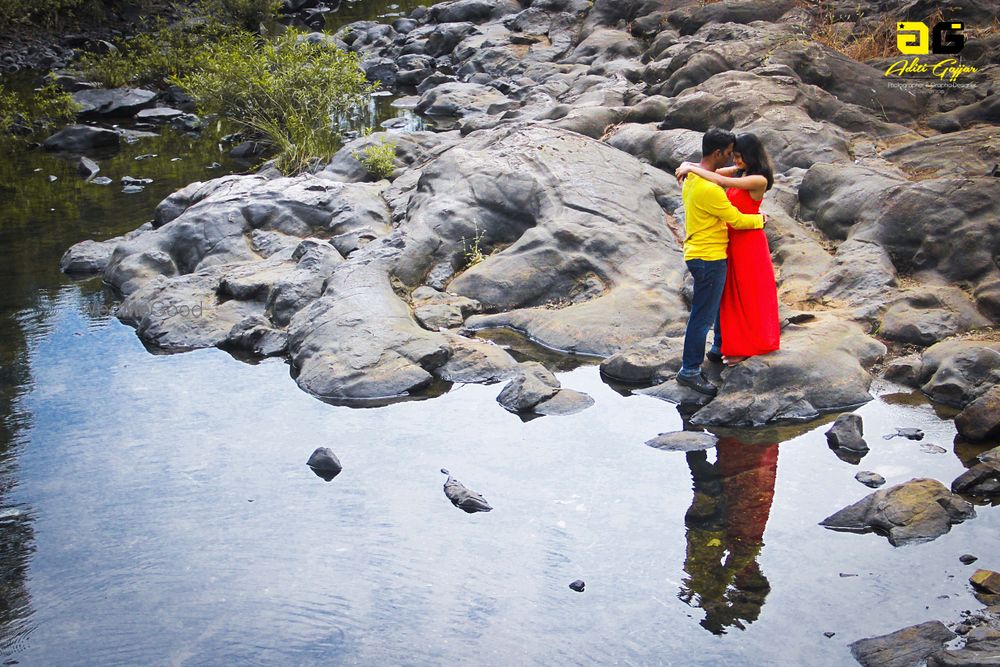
(716, 139)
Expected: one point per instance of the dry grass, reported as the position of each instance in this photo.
(869, 40)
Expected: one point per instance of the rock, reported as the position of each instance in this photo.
(969, 153)
(928, 314)
(870, 479)
(645, 361)
(957, 372)
(905, 370)
(132, 180)
(532, 385)
(861, 274)
(79, 138)
(819, 368)
(986, 580)
(974, 654)
(847, 432)
(930, 448)
(980, 420)
(475, 361)
(113, 101)
(463, 498)
(91, 257)
(916, 511)
(101, 180)
(132, 189)
(256, 335)
(829, 635)
(87, 168)
(968, 559)
(983, 478)
(903, 648)
(325, 463)
(459, 99)
(188, 122)
(603, 45)
(687, 400)
(439, 316)
(159, 114)
(579, 585)
(683, 441)
(564, 402)
(908, 433)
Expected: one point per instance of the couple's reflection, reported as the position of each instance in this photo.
(725, 532)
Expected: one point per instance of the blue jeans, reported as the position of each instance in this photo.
(709, 280)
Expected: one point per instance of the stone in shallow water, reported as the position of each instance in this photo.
(908, 433)
(463, 498)
(982, 479)
(919, 510)
(903, 648)
(683, 441)
(579, 585)
(968, 559)
(325, 463)
(870, 479)
(986, 580)
(847, 432)
(534, 383)
(565, 402)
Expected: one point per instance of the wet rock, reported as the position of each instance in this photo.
(687, 400)
(957, 372)
(132, 180)
(533, 384)
(986, 580)
(91, 257)
(916, 511)
(980, 420)
(683, 441)
(564, 402)
(983, 478)
(902, 648)
(819, 368)
(79, 138)
(968, 559)
(904, 370)
(847, 432)
(87, 168)
(930, 448)
(246, 149)
(870, 479)
(325, 463)
(256, 335)
(579, 585)
(475, 361)
(113, 101)
(159, 114)
(974, 654)
(463, 498)
(459, 99)
(908, 433)
(646, 361)
(101, 180)
(132, 189)
(188, 122)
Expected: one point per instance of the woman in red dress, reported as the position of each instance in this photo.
(748, 314)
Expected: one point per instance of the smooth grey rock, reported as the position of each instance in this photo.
(113, 101)
(926, 315)
(907, 432)
(645, 362)
(91, 257)
(686, 399)
(87, 168)
(683, 441)
(474, 360)
(919, 510)
(847, 432)
(902, 648)
(957, 372)
(578, 585)
(532, 385)
(458, 99)
(564, 402)
(159, 114)
(463, 498)
(325, 463)
(870, 479)
(974, 654)
(79, 138)
(983, 478)
(980, 419)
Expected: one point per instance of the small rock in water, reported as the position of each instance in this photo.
(53, 179)
(214, 165)
(909, 433)
(464, 498)
(931, 448)
(101, 180)
(132, 189)
(325, 463)
(986, 580)
(132, 180)
(578, 585)
(87, 167)
(144, 156)
(968, 559)
(828, 635)
(870, 479)
(847, 433)
(847, 574)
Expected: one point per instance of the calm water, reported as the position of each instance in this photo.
(157, 509)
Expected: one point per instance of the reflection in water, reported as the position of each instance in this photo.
(725, 532)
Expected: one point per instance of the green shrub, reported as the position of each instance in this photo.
(53, 106)
(246, 14)
(378, 159)
(283, 91)
(12, 110)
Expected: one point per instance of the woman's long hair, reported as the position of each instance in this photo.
(754, 157)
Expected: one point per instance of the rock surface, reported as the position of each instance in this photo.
(683, 441)
(847, 432)
(903, 648)
(915, 511)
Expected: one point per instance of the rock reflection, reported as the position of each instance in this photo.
(725, 532)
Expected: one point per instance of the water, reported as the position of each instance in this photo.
(156, 509)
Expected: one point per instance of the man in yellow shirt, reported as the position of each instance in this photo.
(707, 212)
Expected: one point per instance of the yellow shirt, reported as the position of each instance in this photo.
(707, 211)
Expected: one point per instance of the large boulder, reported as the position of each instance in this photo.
(81, 138)
(89, 257)
(916, 511)
(113, 101)
(821, 367)
(927, 314)
(980, 420)
(957, 372)
(459, 99)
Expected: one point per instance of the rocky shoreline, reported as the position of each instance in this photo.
(568, 121)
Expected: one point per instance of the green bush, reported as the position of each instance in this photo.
(152, 58)
(12, 110)
(283, 91)
(52, 105)
(246, 14)
(378, 159)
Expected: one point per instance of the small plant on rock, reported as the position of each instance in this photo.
(474, 250)
(378, 158)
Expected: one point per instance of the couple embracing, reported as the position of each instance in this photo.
(727, 253)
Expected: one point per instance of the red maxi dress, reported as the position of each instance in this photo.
(748, 313)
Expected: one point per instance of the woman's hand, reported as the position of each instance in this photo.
(683, 171)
